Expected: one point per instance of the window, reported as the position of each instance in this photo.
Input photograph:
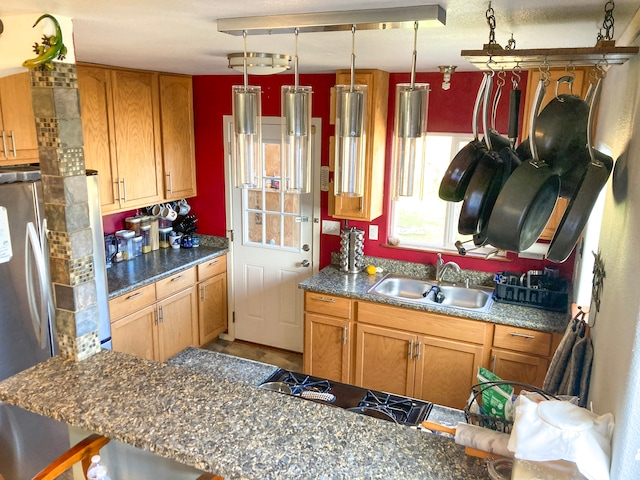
(431, 223)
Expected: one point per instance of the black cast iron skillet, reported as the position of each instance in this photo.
(527, 199)
(456, 179)
(486, 182)
(561, 137)
(581, 204)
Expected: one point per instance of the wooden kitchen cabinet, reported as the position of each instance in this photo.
(212, 299)
(178, 150)
(137, 334)
(420, 354)
(328, 338)
(121, 127)
(158, 320)
(521, 355)
(18, 140)
(370, 205)
(177, 323)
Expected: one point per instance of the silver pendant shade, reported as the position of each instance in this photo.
(351, 137)
(410, 133)
(247, 132)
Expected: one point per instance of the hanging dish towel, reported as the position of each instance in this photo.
(570, 369)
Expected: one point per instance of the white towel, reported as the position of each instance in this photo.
(558, 430)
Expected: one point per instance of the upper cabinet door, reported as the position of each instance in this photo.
(178, 151)
(94, 84)
(137, 136)
(19, 143)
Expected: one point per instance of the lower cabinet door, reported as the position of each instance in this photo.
(212, 308)
(177, 323)
(446, 370)
(519, 367)
(385, 359)
(327, 349)
(136, 334)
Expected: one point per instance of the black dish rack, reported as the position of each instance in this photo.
(495, 423)
(548, 294)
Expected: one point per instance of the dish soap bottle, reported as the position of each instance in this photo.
(96, 470)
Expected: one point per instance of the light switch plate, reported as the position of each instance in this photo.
(373, 232)
(330, 227)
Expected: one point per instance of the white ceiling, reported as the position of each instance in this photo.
(181, 35)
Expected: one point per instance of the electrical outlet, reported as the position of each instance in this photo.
(330, 227)
(373, 232)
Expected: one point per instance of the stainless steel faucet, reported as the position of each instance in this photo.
(442, 267)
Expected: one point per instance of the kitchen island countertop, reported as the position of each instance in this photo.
(208, 418)
(332, 281)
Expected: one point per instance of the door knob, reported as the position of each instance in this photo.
(305, 263)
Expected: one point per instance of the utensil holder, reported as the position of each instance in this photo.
(351, 250)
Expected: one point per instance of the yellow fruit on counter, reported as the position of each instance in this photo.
(371, 269)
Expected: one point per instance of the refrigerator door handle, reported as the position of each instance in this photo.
(39, 316)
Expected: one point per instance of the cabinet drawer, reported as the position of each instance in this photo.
(212, 267)
(522, 340)
(327, 304)
(132, 301)
(175, 283)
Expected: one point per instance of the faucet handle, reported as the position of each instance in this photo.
(440, 260)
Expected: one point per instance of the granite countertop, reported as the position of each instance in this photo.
(215, 420)
(125, 276)
(332, 281)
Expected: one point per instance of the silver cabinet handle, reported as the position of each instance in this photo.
(305, 263)
(177, 277)
(124, 190)
(134, 295)
(161, 314)
(13, 143)
(344, 334)
(202, 293)
(419, 350)
(4, 145)
(324, 299)
(493, 363)
(215, 262)
(521, 335)
(170, 183)
(411, 349)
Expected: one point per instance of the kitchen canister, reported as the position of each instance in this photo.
(145, 231)
(163, 236)
(126, 243)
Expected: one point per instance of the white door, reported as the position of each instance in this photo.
(273, 249)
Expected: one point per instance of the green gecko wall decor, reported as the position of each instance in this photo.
(51, 48)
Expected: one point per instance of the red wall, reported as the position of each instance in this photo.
(449, 111)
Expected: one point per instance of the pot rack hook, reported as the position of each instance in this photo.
(544, 72)
(515, 76)
(490, 65)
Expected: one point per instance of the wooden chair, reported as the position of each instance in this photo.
(83, 451)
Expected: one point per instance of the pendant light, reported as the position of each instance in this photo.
(247, 131)
(410, 132)
(351, 120)
(295, 150)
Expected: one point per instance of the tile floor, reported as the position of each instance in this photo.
(274, 356)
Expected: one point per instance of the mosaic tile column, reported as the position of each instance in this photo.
(56, 106)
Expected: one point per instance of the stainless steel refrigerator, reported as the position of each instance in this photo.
(28, 442)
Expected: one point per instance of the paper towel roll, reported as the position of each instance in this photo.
(483, 439)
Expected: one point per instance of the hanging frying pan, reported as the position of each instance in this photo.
(486, 181)
(456, 179)
(579, 209)
(527, 199)
(561, 137)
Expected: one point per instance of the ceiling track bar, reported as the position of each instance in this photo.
(374, 19)
(554, 57)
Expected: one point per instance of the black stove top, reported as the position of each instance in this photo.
(386, 406)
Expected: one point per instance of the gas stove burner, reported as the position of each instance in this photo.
(394, 408)
(397, 407)
(304, 383)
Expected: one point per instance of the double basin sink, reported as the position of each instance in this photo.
(415, 290)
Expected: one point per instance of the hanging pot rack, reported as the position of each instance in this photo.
(493, 56)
